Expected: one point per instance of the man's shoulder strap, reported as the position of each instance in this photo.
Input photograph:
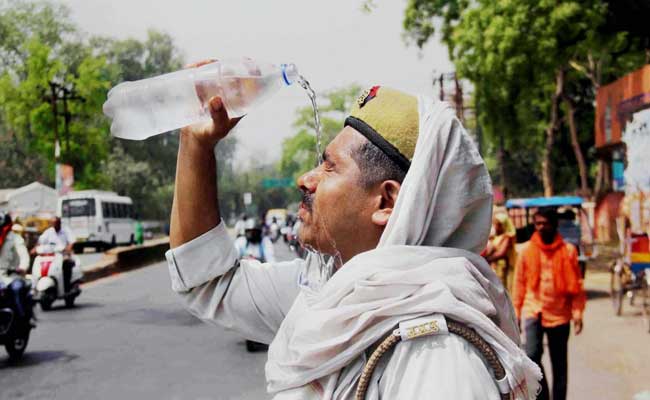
(435, 324)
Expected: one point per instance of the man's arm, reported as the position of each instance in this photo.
(579, 300)
(519, 287)
(247, 296)
(195, 209)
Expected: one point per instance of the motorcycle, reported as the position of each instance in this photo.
(47, 276)
(14, 328)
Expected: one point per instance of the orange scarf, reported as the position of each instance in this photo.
(565, 276)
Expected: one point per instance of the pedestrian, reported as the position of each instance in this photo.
(500, 252)
(548, 295)
(402, 202)
(241, 225)
(138, 233)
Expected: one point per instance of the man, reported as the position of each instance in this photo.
(402, 201)
(241, 225)
(548, 294)
(14, 262)
(254, 245)
(60, 236)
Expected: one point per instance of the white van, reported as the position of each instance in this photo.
(97, 219)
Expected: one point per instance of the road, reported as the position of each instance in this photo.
(611, 358)
(129, 338)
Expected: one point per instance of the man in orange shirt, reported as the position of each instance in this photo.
(548, 295)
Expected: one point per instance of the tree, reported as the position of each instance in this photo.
(299, 150)
(519, 56)
(41, 57)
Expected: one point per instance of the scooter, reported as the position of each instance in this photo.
(47, 276)
(14, 328)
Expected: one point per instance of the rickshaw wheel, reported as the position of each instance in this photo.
(616, 291)
(645, 304)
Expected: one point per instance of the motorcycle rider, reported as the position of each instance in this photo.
(14, 261)
(241, 225)
(61, 236)
(255, 245)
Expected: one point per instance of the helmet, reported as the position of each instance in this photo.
(5, 219)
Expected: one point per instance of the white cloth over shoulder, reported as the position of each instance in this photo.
(426, 263)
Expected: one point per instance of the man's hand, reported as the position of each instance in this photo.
(195, 209)
(577, 325)
(209, 133)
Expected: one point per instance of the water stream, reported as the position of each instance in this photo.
(304, 83)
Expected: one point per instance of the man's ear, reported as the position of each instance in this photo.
(387, 197)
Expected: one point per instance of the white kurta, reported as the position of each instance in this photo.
(252, 299)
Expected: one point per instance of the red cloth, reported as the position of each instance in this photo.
(4, 231)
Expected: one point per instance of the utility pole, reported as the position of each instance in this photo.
(458, 99)
(68, 94)
(60, 92)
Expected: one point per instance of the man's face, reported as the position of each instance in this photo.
(336, 210)
(545, 228)
(56, 223)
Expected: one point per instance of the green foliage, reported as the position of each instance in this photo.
(40, 46)
(511, 50)
(299, 151)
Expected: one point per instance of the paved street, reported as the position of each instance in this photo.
(610, 359)
(130, 338)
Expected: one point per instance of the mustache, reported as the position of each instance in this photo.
(307, 199)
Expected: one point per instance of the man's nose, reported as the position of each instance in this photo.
(308, 181)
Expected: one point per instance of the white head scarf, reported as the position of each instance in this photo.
(426, 262)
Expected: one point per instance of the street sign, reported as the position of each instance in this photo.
(269, 183)
(248, 198)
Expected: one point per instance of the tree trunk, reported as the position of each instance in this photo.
(547, 173)
(582, 165)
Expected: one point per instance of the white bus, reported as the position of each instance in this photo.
(97, 219)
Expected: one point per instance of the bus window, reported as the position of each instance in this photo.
(77, 208)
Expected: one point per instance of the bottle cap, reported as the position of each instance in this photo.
(289, 73)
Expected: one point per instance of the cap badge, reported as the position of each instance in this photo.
(367, 95)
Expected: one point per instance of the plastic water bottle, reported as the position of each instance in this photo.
(147, 107)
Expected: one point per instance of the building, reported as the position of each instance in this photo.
(34, 199)
(621, 115)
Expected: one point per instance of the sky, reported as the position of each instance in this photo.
(334, 43)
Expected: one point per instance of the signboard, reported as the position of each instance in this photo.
(248, 198)
(269, 183)
(64, 179)
(617, 102)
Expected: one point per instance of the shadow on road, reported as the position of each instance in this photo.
(596, 294)
(158, 317)
(60, 307)
(38, 357)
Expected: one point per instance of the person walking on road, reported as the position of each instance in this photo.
(402, 202)
(500, 252)
(548, 295)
